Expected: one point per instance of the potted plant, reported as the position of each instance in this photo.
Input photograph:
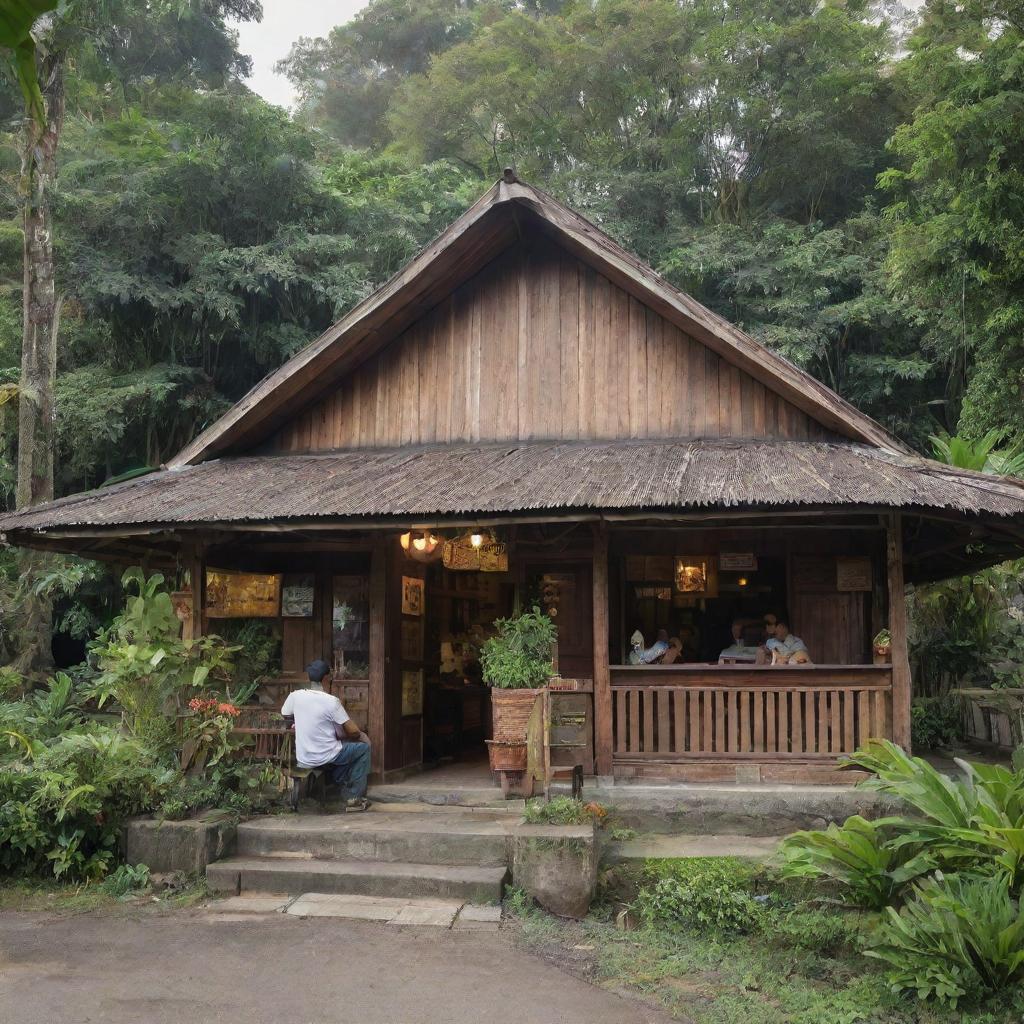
(516, 662)
(882, 647)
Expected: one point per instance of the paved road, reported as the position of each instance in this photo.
(206, 968)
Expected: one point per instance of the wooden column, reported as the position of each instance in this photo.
(901, 681)
(378, 654)
(195, 555)
(602, 672)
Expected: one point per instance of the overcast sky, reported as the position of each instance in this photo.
(284, 21)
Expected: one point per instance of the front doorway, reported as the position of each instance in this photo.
(443, 618)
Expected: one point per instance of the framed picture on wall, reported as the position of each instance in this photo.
(297, 596)
(412, 640)
(412, 595)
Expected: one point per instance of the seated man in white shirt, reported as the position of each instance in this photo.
(786, 648)
(325, 737)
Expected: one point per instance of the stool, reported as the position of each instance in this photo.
(305, 777)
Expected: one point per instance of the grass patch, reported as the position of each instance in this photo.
(32, 895)
(803, 967)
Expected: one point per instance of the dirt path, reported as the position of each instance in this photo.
(271, 969)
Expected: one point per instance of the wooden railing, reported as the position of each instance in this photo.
(712, 712)
(264, 733)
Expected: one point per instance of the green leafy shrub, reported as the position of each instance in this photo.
(957, 937)
(713, 894)
(973, 825)
(869, 870)
(127, 879)
(258, 655)
(63, 804)
(238, 785)
(936, 722)
(816, 931)
(563, 810)
(518, 656)
(147, 669)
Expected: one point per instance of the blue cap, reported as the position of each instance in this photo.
(317, 670)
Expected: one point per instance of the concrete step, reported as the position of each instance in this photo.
(283, 874)
(439, 837)
(655, 846)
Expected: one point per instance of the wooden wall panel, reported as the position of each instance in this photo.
(539, 345)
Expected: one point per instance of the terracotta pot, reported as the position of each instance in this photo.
(506, 755)
(510, 712)
(883, 655)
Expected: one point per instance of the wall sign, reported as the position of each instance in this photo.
(412, 595)
(737, 561)
(853, 573)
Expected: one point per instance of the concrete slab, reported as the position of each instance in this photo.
(253, 904)
(477, 918)
(761, 848)
(432, 917)
(363, 908)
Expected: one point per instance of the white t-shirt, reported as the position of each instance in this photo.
(316, 714)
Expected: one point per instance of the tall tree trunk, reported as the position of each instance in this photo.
(36, 412)
(41, 306)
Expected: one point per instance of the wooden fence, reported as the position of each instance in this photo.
(762, 714)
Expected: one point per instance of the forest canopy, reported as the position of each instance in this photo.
(842, 178)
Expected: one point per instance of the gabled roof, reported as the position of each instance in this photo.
(493, 223)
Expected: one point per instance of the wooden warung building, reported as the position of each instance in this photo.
(623, 456)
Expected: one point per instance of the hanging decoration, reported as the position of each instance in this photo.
(421, 545)
(478, 551)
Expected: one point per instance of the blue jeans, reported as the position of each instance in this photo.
(350, 769)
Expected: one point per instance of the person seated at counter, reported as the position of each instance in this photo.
(640, 655)
(674, 652)
(785, 648)
(738, 651)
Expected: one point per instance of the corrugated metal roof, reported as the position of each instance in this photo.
(522, 477)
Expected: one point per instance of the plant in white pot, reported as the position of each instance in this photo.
(516, 662)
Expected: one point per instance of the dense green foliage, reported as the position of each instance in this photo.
(706, 894)
(203, 237)
(955, 937)
(519, 655)
(70, 775)
(956, 866)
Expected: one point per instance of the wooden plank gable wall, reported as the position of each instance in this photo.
(539, 345)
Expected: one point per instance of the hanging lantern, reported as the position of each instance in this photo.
(421, 545)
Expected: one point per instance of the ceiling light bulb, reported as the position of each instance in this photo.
(476, 539)
(404, 540)
(420, 543)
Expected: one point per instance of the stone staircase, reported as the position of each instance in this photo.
(408, 852)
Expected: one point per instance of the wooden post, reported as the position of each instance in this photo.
(901, 682)
(195, 554)
(378, 654)
(602, 671)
